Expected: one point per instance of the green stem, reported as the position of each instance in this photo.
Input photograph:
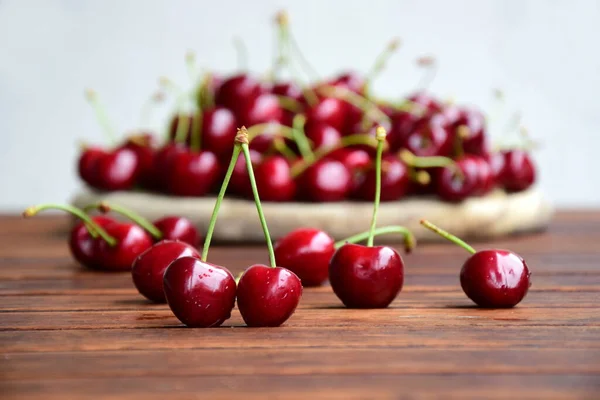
(448, 236)
(196, 140)
(101, 115)
(380, 136)
(283, 149)
(259, 209)
(220, 196)
(380, 63)
(31, 211)
(183, 124)
(129, 214)
(424, 162)
(290, 104)
(300, 137)
(258, 129)
(241, 52)
(409, 239)
(368, 107)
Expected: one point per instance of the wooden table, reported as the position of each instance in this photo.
(70, 333)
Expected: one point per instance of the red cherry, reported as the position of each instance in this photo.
(268, 296)
(162, 163)
(487, 180)
(330, 111)
(83, 245)
(218, 131)
(427, 101)
(306, 252)
(323, 136)
(403, 124)
(366, 277)
(324, 181)
(432, 137)
(237, 90)
(174, 126)
(200, 294)
(264, 108)
(262, 143)
(192, 173)
(460, 180)
(475, 141)
(143, 145)
(288, 89)
(240, 181)
(178, 228)
(353, 159)
(349, 80)
(110, 171)
(86, 164)
(149, 267)
(274, 179)
(395, 181)
(131, 241)
(518, 171)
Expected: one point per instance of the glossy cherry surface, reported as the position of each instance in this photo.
(495, 278)
(324, 181)
(263, 108)
(432, 137)
(518, 171)
(330, 111)
(475, 141)
(178, 228)
(149, 267)
(306, 252)
(144, 146)
(237, 90)
(350, 80)
(366, 277)
(403, 123)
(131, 241)
(162, 163)
(426, 101)
(114, 170)
(192, 173)
(86, 164)
(200, 294)
(268, 296)
(274, 179)
(395, 181)
(460, 180)
(353, 159)
(322, 135)
(219, 126)
(83, 246)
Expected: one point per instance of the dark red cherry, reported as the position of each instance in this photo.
(487, 180)
(306, 252)
(288, 89)
(263, 108)
(131, 241)
(366, 277)
(174, 126)
(353, 159)
(218, 131)
(473, 124)
(83, 245)
(518, 171)
(321, 135)
(274, 179)
(86, 164)
(240, 181)
(403, 123)
(144, 146)
(395, 180)
(268, 296)
(162, 163)
(324, 181)
(115, 170)
(192, 173)
(149, 267)
(236, 91)
(434, 136)
(349, 80)
(495, 278)
(200, 294)
(178, 228)
(330, 111)
(426, 101)
(461, 180)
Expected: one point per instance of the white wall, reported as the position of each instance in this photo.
(544, 54)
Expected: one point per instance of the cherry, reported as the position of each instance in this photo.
(178, 228)
(426, 101)
(274, 179)
(324, 181)
(199, 293)
(86, 164)
(240, 182)
(321, 135)
(491, 278)
(350, 80)
(460, 180)
(263, 108)
(367, 276)
(192, 173)
(82, 243)
(114, 170)
(218, 131)
(236, 91)
(403, 123)
(432, 137)
(395, 181)
(288, 89)
(143, 145)
(149, 267)
(328, 110)
(131, 240)
(162, 163)
(354, 159)
(470, 127)
(517, 172)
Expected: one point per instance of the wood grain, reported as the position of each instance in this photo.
(70, 333)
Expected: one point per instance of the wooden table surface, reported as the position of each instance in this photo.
(70, 333)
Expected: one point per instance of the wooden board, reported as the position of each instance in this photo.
(68, 333)
(495, 215)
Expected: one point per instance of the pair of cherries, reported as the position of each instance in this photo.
(202, 294)
(103, 243)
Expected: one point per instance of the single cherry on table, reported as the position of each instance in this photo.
(491, 278)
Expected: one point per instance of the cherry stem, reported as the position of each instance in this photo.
(183, 123)
(105, 207)
(359, 138)
(368, 107)
(280, 146)
(300, 137)
(101, 115)
(409, 238)
(424, 162)
(462, 132)
(290, 104)
(421, 177)
(448, 236)
(380, 63)
(380, 136)
(241, 52)
(213, 219)
(148, 107)
(258, 129)
(308, 68)
(89, 223)
(196, 139)
(430, 65)
(205, 98)
(243, 134)
(281, 57)
(190, 64)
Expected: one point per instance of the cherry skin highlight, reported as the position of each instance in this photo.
(324, 181)
(267, 297)
(264, 108)
(366, 277)
(395, 181)
(495, 278)
(236, 91)
(117, 170)
(192, 173)
(460, 180)
(219, 126)
(149, 267)
(274, 179)
(83, 246)
(178, 228)
(518, 171)
(432, 137)
(131, 240)
(306, 252)
(200, 294)
(330, 111)
(87, 160)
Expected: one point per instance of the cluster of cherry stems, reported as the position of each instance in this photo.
(166, 266)
(312, 142)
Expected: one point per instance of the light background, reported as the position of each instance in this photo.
(543, 54)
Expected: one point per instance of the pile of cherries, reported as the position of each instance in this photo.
(166, 266)
(431, 147)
